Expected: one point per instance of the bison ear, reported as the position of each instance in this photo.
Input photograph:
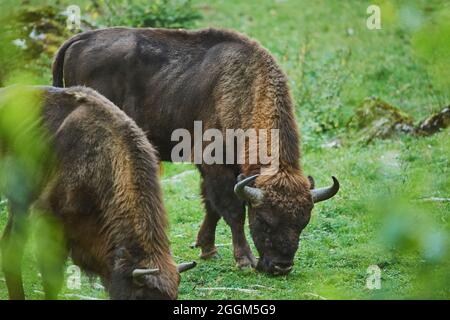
(312, 183)
(240, 177)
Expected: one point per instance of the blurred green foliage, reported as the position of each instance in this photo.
(29, 38)
(432, 44)
(34, 30)
(26, 159)
(145, 13)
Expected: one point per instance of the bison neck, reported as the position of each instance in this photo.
(272, 112)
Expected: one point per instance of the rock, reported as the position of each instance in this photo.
(434, 123)
(376, 119)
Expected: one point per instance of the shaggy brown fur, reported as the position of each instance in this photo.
(167, 79)
(104, 192)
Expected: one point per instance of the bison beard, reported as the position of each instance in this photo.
(111, 227)
(167, 79)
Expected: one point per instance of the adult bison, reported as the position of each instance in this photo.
(167, 79)
(90, 173)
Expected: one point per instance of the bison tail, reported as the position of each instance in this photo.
(58, 63)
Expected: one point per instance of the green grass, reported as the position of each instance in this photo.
(377, 218)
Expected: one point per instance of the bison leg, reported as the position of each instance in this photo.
(242, 252)
(51, 255)
(207, 234)
(12, 246)
(220, 200)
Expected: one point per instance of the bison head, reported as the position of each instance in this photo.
(145, 283)
(279, 209)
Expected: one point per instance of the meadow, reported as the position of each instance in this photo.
(393, 208)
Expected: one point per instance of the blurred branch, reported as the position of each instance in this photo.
(315, 295)
(80, 296)
(72, 295)
(435, 199)
(229, 289)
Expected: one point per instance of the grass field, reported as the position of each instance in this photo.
(378, 218)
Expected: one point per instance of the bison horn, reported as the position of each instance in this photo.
(325, 193)
(253, 195)
(186, 266)
(138, 273)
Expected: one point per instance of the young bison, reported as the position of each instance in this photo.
(98, 182)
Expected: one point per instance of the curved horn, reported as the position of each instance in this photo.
(137, 273)
(253, 195)
(186, 266)
(325, 193)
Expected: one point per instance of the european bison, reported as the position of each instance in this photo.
(167, 79)
(83, 165)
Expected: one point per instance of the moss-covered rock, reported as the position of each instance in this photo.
(434, 123)
(375, 118)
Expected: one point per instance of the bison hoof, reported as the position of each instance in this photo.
(247, 261)
(208, 254)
